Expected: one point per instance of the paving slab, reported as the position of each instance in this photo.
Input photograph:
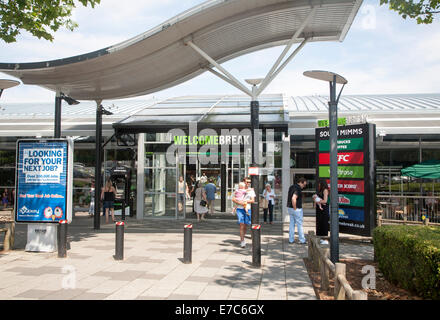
(153, 265)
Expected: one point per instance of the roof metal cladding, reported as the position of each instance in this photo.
(159, 58)
(366, 103)
(404, 113)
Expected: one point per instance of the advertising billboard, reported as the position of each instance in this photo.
(44, 180)
(356, 147)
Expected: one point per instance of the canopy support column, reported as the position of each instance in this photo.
(229, 76)
(273, 72)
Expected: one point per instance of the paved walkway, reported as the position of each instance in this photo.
(153, 269)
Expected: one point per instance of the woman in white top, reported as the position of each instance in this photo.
(182, 193)
(269, 196)
(200, 194)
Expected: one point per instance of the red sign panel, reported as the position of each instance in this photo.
(343, 158)
(349, 185)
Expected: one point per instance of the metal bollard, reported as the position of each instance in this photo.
(256, 245)
(187, 243)
(62, 239)
(119, 245)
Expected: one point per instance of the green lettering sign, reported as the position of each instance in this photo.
(343, 144)
(325, 123)
(343, 172)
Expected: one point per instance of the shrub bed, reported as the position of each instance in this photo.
(409, 256)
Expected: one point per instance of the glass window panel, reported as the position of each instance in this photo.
(7, 177)
(7, 158)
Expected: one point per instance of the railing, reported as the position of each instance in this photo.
(321, 262)
(409, 208)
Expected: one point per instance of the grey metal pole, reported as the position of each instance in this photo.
(119, 242)
(57, 126)
(256, 245)
(255, 207)
(187, 243)
(334, 214)
(98, 135)
(62, 239)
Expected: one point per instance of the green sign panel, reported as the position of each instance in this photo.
(326, 123)
(343, 172)
(355, 200)
(343, 144)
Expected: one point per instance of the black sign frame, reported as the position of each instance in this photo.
(367, 132)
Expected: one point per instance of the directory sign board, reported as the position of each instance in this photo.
(356, 147)
(44, 180)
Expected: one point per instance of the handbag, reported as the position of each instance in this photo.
(203, 203)
(265, 203)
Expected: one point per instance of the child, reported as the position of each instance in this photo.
(240, 194)
(317, 199)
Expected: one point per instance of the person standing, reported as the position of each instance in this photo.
(210, 189)
(269, 197)
(322, 210)
(108, 195)
(182, 193)
(294, 208)
(203, 178)
(192, 187)
(200, 194)
(5, 198)
(243, 217)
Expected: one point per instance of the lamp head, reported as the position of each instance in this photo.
(70, 101)
(254, 82)
(325, 76)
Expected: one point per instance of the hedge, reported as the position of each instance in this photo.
(409, 256)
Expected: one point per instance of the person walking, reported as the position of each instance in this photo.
(322, 210)
(269, 199)
(199, 200)
(243, 217)
(210, 189)
(294, 208)
(108, 195)
(182, 193)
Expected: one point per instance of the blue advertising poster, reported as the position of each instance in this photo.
(42, 181)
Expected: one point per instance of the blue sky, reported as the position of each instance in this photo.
(381, 54)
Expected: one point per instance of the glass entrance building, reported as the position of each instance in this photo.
(208, 137)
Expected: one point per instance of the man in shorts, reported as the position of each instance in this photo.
(244, 219)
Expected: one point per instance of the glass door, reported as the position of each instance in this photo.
(160, 186)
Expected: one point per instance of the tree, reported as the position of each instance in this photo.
(39, 17)
(423, 10)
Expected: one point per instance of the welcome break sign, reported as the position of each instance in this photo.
(356, 175)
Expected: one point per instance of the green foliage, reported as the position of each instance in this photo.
(423, 10)
(409, 256)
(39, 17)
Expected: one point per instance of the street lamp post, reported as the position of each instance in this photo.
(255, 207)
(58, 99)
(98, 165)
(333, 79)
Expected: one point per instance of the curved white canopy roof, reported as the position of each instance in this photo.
(160, 58)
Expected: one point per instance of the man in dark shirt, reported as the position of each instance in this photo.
(294, 208)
